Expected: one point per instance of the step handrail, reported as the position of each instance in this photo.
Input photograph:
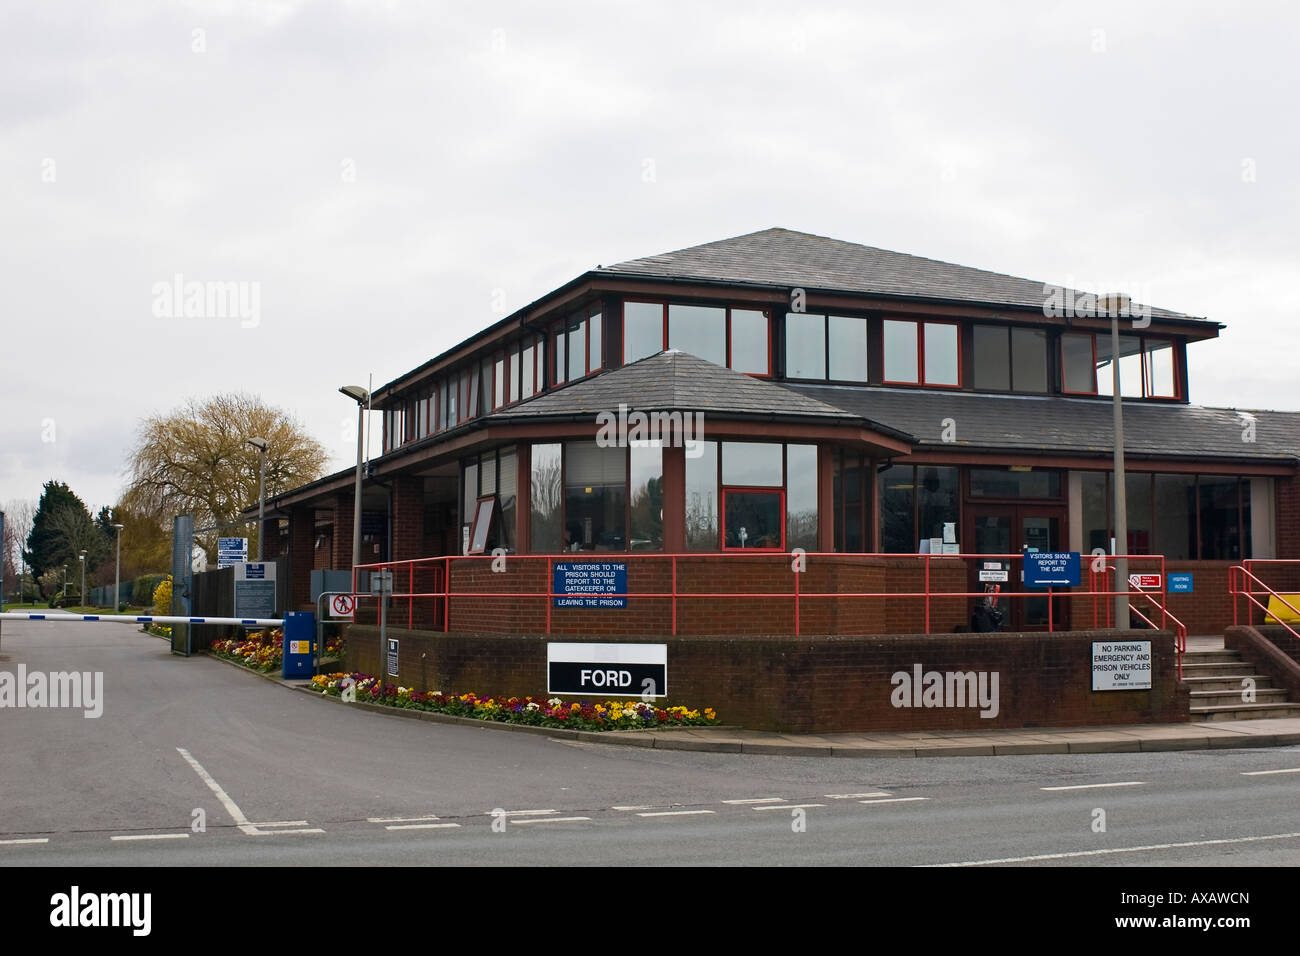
(1249, 595)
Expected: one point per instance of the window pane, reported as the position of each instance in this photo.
(545, 499)
(471, 491)
(594, 328)
(1160, 368)
(1077, 368)
(700, 330)
(513, 384)
(1176, 516)
(895, 491)
(1138, 502)
(1130, 366)
(1096, 519)
(805, 345)
(561, 371)
(647, 497)
(528, 363)
(1004, 483)
(992, 358)
(1028, 360)
(940, 354)
(901, 362)
(751, 463)
(577, 348)
(848, 348)
(936, 490)
(595, 497)
(643, 330)
(753, 519)
(487, 474)
(1220, 529)
(499, 384)
(801, 497)
(702, 499)
(749, 342)
(507, 483)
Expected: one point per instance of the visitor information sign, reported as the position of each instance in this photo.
(589, 584)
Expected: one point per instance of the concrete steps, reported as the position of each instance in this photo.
(1220, 690)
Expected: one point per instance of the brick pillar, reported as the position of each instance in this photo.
(302, 541)
(341, 559)
(408, 543)
(1287, 491)
(271, 539)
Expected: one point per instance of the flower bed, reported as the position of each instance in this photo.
(610, 715)
(260, 651)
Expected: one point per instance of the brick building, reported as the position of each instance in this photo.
(813, 394)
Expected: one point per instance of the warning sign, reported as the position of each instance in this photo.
(342, 605)
(1144, 581)
(1121, 666)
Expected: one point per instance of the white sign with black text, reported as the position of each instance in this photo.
(1121, 665)
(607, 670)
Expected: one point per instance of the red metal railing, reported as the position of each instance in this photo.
(1240, 580)
(1101, 571)
(438, 591)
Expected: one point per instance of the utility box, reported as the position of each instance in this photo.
(299, 632)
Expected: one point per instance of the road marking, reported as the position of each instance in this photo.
(400, 819)
(791, 806)
(857, 796)
(1098, 786)
(895, 800)
(1122, 849)
(283, 823)
(1261, 773)
(755, 800)
(232, 808)
(548, 820)
(287, 832)
(24, 841)
(518, 813)
(431, 826)
(674, 813)
(152, 836)
(648, 806)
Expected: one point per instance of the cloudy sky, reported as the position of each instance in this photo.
(395, 176)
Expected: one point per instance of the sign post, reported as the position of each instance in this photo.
(381, 583)
(231, 551)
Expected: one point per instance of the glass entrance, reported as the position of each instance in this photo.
(1014, 529)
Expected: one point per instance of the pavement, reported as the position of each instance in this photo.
(1120, 738)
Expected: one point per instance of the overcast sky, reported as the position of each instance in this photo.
(396, 176)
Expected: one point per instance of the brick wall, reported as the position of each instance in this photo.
(821, 684)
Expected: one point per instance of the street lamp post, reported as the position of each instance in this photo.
(362, 397)
(82, 595)
(1113, 304)
(117, 572)
(260, 445)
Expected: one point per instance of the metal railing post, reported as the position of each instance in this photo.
(674, 595)
(550, 585)
(927, 593)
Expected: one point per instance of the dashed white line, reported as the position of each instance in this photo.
(24, 841)
(283, 823)
(895, 800)
(750, 800)
(1122, 849)
(1264, 773)
(517, 813)
(675, 813)
(1098, 786)
(548, 820)
(431, 826)
(857, 796)
(401, 819)
(648, 806)
(152, 836)
(790, 806)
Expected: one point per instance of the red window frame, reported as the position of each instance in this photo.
(1060, 352)
(921, 381)
(750, 490)
(1142, 364)
(663, 333)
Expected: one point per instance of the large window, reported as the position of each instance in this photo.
(646, 504)
(595, 497)
(826, 347)
(577, 345)
(852, 499)
(493, 474)
(731, 337)
(1147, 367)
(1205, 517)
(921, 353)
(801, 497)
(1078, 364)
(1014, 483)
(1010, 359)
(702, 499)
(752, 495)
(915, 504)
(546, 500)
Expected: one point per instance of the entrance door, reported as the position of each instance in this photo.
(1014, 529)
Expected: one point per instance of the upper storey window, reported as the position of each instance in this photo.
(819, 346)
(921, 353)
(736, 338)
(1147, 366)
(1010, 359)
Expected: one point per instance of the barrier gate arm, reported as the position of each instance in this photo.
(146, 619)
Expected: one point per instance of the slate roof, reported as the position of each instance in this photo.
(787, 259)
(1059, 424)
(673, 380)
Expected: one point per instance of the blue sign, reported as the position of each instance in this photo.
(1180, 583)
(1057, 569)
(589, 584)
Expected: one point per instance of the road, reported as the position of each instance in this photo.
(281, 778)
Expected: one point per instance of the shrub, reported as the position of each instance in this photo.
(162, 597)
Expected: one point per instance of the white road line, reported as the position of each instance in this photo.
(1122, 849)
(790, 806)
(1262, 773)
(232, 808)
(24, 841)
(430, 826)
(517, 823)
(895, 800)
(283, 823)
(518, 813)
(857, 796)
(648, 806)
(400, 819)
(755, 800)
(674, 813)
(1098, 786)
(152, 836)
